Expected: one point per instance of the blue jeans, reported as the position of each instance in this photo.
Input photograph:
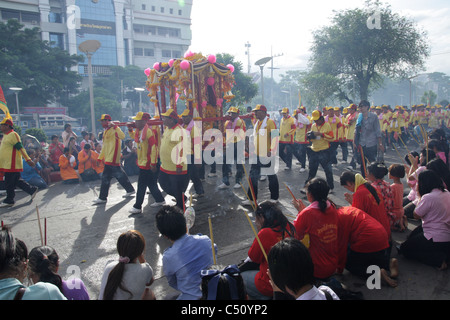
(37, 181)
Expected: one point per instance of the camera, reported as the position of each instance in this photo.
(310, 135)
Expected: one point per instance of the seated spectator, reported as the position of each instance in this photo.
(363, 242)
(397, 217)
(376, 173)
(74, 149)
(67, 165)
(272, 226)
(32, 175)
(43, 264)
(183, 261)
(13, 271)
(87, 164)
(86, 139)
(365, 197)
(442, 170)
(131, 276)
(129, 159)
(418, 164)
(55, 149)
(93, 139)
(291, 271)
(223, 283)
(46, 164)
(99, 165)
(429, 243)
(319, 222)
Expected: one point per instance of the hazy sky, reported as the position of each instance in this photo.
(285, 27)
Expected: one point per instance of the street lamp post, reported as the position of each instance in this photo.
(261, 63)
(16, 91)
(140, 90)
(89, 47)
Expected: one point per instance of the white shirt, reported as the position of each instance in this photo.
(317, 294)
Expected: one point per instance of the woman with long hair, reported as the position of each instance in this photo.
(131, 276)
(273, 226)
(43, 264)
(319, 222)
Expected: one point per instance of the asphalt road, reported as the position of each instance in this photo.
(85, 235)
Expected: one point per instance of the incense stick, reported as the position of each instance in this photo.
(212, 239)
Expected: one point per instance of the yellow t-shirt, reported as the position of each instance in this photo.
(173, 141)
(147, 147)
(263, 141)
(10, 156)
(111, 147)
(287, 127)
(322, 143)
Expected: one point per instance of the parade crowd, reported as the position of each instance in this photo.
(287, 260)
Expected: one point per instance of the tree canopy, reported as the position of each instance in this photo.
(42, 71)
(359, 52)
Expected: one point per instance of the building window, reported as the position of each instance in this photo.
(176, 54)
(180, 12)
(162, 9)
(57, 40)
(30, 17)
(143, 6)
(166, 54)
(139, 52)
(149, 52)
(9, 14)
(153, 8)
(55, 17)
(171, 11)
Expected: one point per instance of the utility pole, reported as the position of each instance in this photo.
(248, 45)
(271, 70)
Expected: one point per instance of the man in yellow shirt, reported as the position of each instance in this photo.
(110, 156)
(194, 151)
(234, 141)
(287, 133)
(302, 125)
(321, 135)
(265, 141)
(147, 157)
(173, 177)
(11, 164)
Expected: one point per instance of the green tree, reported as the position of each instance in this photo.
(28, 62)
(429, 98)
(353, 49)
(244, 90)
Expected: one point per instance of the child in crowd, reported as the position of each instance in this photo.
(130, 277)
(397, 214)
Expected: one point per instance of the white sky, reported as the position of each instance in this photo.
(285, 27)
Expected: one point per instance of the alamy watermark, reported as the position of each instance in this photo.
(374, 21)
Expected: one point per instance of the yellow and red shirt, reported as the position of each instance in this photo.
(324, 142)
(174, 143)
(111, 147)
(147, 147)
(288, 127)
(11, 153)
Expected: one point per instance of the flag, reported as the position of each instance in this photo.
(3, 105)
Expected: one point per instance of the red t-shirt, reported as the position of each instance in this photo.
(365, 201)
(363, 233)
(322, 228)
(55, 152)
(268, 238)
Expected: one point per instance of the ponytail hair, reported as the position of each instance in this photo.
(319, 189)
(44, 262)
(130, 246)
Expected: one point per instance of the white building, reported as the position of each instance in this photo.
(131, 32)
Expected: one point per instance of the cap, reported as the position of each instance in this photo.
(378, 108)
(353, 106)
(142, 116)
(345, 110)
(316, 114)
(337, 109)
(260, 107)
(7, 122)
(285, 110)
(185, 113)
(170, 113)
(105, 117)
(233, 109)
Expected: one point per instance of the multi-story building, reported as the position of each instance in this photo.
(131, 32)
